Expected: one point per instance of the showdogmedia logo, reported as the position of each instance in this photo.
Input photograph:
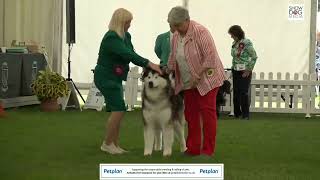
(296, 12)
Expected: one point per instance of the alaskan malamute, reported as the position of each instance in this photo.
(163, 113)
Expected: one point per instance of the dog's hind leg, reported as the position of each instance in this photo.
(168, 136)
(148, 140)
(158, 140)
(179, 133)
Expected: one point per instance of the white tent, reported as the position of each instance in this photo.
(283, 44)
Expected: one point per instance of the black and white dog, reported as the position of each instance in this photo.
(162, 113)
(221, 96)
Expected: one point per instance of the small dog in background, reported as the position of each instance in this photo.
(221, 96)
(163, 114)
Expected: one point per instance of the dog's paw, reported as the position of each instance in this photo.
(147, 153)
(167, 153)
(183, 149)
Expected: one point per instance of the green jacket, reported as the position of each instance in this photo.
(115, 54)
(162, 47)
(242, 52)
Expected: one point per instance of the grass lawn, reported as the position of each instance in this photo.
(65, 146)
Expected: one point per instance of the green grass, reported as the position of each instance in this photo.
(65, 146)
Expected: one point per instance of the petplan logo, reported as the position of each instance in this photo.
(296, 12)
(112, 171)
(209, 171)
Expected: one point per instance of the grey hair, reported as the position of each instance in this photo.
(178, 15)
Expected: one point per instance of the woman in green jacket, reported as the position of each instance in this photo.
(244, 58)
(115, 54)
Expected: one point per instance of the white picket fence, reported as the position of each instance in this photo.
(266, 93)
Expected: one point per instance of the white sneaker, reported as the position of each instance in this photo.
(122, 150)
(112, 149)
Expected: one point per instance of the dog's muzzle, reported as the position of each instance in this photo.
(151, 85)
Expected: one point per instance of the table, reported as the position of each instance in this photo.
(18, 71)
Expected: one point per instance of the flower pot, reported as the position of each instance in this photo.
(50, 105)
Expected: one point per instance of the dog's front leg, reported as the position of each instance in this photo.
(168, 137)
(158, 140)
(148, 140)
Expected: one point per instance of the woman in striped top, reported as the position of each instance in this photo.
(199, 74)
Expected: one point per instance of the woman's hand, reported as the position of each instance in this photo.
(166, 70)
(155, 67)
(246, 73)
(194, 81)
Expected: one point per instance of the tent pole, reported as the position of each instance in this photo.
(313, 31)
(4, 22)
(185, 3)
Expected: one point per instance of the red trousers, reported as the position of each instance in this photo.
(199, 108)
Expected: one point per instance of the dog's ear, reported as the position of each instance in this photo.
(165, 69)
(145, 72)
(167, 72)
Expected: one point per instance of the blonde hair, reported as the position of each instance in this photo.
(119, 18)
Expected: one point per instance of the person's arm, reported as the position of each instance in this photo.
(253, 55)
(208, 50)
(157, 47)
(171, 60)
(117, 46)
(253, 58)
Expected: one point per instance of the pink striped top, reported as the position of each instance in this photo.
(202, 58)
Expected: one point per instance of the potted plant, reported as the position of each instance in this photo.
(48, 87)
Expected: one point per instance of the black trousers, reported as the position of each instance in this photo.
(241, 99)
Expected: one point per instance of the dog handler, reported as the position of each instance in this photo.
(244, 58)
(115, 54)
(199, 73)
